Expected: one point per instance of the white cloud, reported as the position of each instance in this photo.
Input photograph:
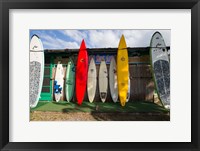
(75, 35)
(141, 38)
(134, 38)
(167, 36)
(99, 38)
(103, 38)
(51, 42)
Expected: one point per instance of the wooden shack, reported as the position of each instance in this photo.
(142, 85)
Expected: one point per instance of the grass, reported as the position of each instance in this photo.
(108, 107)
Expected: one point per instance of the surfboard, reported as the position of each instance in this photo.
(122, 70)
(70, 80)
(113, 80)
(103, 80)
(36, 70)
(160, 68)
(58, 82)
(129, 90)
(81, 73)
(92, 80)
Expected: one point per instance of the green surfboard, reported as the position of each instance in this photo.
(70, 80)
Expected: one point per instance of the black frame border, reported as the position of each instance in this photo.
(5, 5)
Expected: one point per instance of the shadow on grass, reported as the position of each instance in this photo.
(84, 107)
(130, 117)
(109, 111)
(60, 103)
(133, 111)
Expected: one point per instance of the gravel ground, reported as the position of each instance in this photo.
(83, 116)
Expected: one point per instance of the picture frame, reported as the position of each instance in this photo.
(6, 5)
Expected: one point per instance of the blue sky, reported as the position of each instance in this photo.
(61, 39)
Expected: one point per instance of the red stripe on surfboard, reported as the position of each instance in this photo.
(81, 73)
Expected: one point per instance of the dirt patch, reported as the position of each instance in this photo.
(95, 116)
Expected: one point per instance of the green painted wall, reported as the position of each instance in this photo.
(47, 96)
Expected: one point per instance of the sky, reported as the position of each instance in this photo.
(71, 39)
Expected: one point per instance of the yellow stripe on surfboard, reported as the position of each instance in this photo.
(122, 70)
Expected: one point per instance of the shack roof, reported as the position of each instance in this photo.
(92, 51)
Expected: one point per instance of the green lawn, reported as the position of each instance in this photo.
(64, 106)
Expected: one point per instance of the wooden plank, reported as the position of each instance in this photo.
(63, 92)
(97, 96)
(149, 90)
(53, 77)
(141, 59)
(142, 85)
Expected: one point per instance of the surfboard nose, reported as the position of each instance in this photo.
(122, 43)
(83, 45)
(122, 37)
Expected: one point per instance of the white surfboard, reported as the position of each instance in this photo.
(92, 80)
(113, 80)
(160, 68)
(36, 70)
(58, 82)
(103, 81)
(129, 90)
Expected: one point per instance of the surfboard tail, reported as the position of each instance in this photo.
(79, 103)
(123, 100)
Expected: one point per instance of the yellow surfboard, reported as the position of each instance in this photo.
(122, 70)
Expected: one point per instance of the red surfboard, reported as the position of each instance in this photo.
(81, 73)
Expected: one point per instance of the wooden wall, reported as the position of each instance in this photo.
(142, 85)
